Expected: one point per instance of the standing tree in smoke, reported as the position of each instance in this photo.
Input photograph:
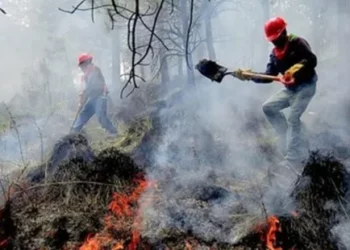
(157, 31)
(180, 39)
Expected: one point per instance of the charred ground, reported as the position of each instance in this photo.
(106, 199)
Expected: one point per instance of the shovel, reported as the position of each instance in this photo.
(75, 119)
(216, 72)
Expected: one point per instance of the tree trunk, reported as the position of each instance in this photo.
(116, 58)
(164, 67)
(266, 6)
(180, 66)
(190, 72)
(185, 25)
(209, 33)
(318, 8)
(163, 59)
(343, 31)
(210, 39)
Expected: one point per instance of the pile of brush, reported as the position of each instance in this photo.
(80, 199)
(320, 197)
(70, 202)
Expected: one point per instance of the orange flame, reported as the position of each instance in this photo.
(122, 207)
(191, 244)
(118, 246)
(273, 227)
(188, 245)
(3, 243)
(93, 242)
(121, 203)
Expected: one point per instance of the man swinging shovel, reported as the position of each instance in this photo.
(292, 57)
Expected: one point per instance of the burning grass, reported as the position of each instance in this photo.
(319, 194)
(124, 218)
(101, 202)
(72, 203)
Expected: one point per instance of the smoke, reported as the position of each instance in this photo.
(40, 74)
(341, 231)
(215, 143)
(209, 152)
(207, 142)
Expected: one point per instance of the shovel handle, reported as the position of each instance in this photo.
(262, 76)
(75, 118)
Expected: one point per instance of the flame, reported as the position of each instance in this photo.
(121, 203)
(95, 242)
(3, 243)
(98, 242)
(188, 245)
(123, 208)
(135, 235)
(135, 239)
(273, 227)
(191, 244)
(118, 246)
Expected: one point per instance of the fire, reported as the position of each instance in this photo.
(188, 245)
(123, 208)
(268, 232)
(96, 242)
(273, 227)
(121, 204)
(191, 244)
(3, 243)
(118, 246)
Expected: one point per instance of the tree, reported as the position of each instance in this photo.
(135, 13)
(266, 6)
(343, 38)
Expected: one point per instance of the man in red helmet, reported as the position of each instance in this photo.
(292, 57)
(93, 98)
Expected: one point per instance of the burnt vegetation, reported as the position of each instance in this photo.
(74, 206)
(82, 198)
(320, 195)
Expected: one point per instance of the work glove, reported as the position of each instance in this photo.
(287, 80)
(292, 70)
(239, 74)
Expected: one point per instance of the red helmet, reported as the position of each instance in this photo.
(274, 28)
(84, 57)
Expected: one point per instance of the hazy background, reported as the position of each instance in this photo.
(221, 127)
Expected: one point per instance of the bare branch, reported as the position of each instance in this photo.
(92, 10)
(74, 8)
(188, 33)
(13, 121)
(153, 30)
(3, 11)
(160, 40)
(182, 39)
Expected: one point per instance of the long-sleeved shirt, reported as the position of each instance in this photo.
(93, 83)
(298, 51)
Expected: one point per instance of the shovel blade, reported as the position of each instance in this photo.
(211, 70)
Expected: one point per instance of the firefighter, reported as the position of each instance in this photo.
(93, 96)
(293, 58)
